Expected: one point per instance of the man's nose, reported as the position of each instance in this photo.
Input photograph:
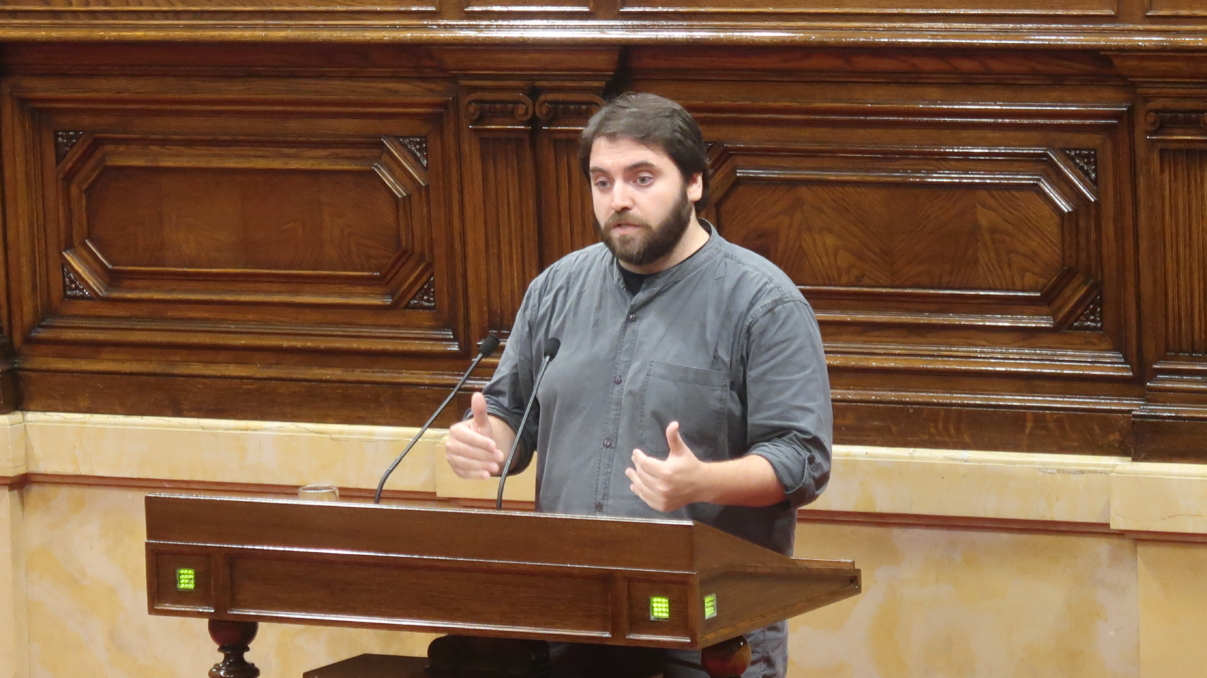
(622, 198)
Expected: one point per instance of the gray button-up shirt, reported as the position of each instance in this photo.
(723, 343)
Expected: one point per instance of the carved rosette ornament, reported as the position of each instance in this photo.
(417, 146)
(64, 142)
(1086, 160)
(72, 287)
(1091, 319)
(425, 298)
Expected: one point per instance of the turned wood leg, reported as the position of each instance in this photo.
(233, 638)
(726, 659)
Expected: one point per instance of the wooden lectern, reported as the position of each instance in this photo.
(489, 574)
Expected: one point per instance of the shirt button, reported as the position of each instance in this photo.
(607, 442)
(617, 380)
(632, 317)
(811, 459)
(598, 506)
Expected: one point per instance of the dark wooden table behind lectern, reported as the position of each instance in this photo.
(667, 584)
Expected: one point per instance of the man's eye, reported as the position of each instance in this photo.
(645, 180)
(602, 184)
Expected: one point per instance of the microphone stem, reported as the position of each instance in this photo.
(520, 432)
(465, 377)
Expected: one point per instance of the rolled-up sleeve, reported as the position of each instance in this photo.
(790, 421)
(509, 389)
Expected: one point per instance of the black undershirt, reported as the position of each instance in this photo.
(632, 281)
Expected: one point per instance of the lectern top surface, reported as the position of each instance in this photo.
(505, 536)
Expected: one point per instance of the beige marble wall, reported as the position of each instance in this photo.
(974, 563)
(948, 602)
(88, 611)
(1173, 611)
(14, 641)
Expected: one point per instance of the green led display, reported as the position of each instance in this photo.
(710, 606)
(660, 608)
(186, 579)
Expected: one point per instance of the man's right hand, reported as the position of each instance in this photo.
(471, 449)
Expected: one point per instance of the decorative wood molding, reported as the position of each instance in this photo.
(562, 106)
(491, 109)
(425, 298)
(72, 287)
(417, 146)
(64, 142)
(1086, 160)
(1182, 120)
(1091, 319)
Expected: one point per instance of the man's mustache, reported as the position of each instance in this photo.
(624, 218)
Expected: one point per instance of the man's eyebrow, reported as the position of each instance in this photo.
(644, 164)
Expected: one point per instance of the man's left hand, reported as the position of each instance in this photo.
(670, 484)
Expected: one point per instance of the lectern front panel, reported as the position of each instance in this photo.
(433, 595)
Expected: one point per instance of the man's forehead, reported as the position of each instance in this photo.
(623, 152)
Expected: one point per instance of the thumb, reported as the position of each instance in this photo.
(675, 441)
(477, 405)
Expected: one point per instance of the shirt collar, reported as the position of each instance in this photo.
(697, 260)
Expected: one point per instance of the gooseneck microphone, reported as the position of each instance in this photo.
(487, 347)
(551, 348)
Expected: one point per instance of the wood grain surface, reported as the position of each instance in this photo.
(1003, 242)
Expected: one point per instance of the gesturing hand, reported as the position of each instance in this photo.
(471, 450)
(670, 484)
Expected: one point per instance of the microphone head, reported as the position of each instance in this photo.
(488, 346)
(552, 346)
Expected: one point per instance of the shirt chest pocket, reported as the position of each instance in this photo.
(693, 396)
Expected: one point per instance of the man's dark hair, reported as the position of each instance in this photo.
(654, 121)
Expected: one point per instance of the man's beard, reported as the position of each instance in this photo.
(650, 243)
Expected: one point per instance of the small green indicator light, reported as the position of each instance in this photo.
(710, 606)
(660, 608)
(186, 579)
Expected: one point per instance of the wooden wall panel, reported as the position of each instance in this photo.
(1172, 423)
(503, 215)
(323, 233)
(967, 249)
(281, 230)
(1176, 8)
(1185, 241)
(567, 218)
(220, 219)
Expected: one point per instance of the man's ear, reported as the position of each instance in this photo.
(695, 187)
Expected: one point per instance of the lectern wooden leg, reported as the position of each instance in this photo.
(233, 638)
(726, 659)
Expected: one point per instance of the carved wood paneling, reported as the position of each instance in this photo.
(963, 269)
(64, 142)
(321, 233)
(502, 215)
(914, 235)
(246, 236)
(425, 298)
(567, 220)
(1185, 244)
(316, 223)
(1176, 8)
(1086, 160)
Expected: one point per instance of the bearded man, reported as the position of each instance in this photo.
(690, 383)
